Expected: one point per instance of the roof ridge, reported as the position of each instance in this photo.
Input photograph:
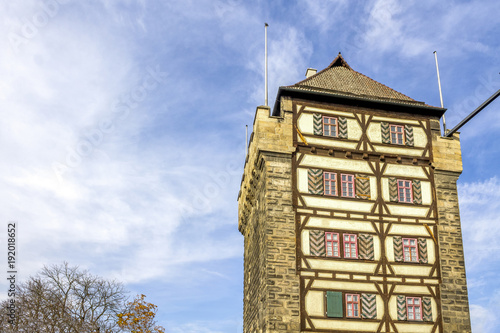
(339, 61)
(340, 77)
(338, 58)
(384, 85)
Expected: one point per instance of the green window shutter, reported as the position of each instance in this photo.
(427, 313)
(398, 248)
(422, 250)
(417, 192)
(363, 187)
(317, 243)
(334, 304)
(409, 140)
(365, 250)
(318, 124)
(368, 306)
(401, 307)
(315, 181)
(342, 127)
(386, 135)
(393, 189)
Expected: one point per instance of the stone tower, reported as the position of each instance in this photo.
(349, 210)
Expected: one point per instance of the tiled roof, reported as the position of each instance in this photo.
(340, 79)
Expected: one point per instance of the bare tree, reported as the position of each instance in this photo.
(64, 299)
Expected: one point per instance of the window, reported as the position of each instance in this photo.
(410, 250)
(332, 244)
(330, 183)
(347, 184)
(414, 308)
(350, 246)
(404, 191)
(352, 305)
(329, 126)
(356, 305)
(397, 134)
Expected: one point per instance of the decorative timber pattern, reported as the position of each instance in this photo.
(386, 135)
(376, 215)
(342, 127)
(427, 313)
(401, 307)
(409, 140)
(362, 187)
(398, 248)
(417, 192)
(368, 306)
(366, 247)
(422, 250)
(315, 181)
(317, 242)
(393, 189)
(318, 124)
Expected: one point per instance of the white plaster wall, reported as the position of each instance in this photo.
(342, 266)
(341, 286)
(331, 143)
(348, 325)
(415, 270)
(413, 328)
(410, 230)
(419, 290)
(340, 204)
(305, 123)
(340, 224)
(324, 162)
(326, 111)
(305, 242)
(400, 170)
(399, 151)
(314, 303)
(396, 120)
(408, 210)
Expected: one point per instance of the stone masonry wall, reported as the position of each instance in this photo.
(271, 285)
(454, 298)
(447, 162)
(267, 221)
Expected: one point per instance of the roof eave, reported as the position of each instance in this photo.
(361, 101)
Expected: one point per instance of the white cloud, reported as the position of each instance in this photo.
(323, 14)
(484, 319)
(412, 29)
(480, 211)
(112, 197)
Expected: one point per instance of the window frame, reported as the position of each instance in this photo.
(413, 312)
(330, 181)
(355, 242)
(409, 246)
(404, 187)
(358, 303)
(342, 182)
(403, 139)
(330, 125)
(332, 243)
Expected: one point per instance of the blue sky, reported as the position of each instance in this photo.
(122, 130)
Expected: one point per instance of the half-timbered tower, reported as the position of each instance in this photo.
(349, 210)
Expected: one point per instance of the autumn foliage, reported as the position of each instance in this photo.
(139, 317)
